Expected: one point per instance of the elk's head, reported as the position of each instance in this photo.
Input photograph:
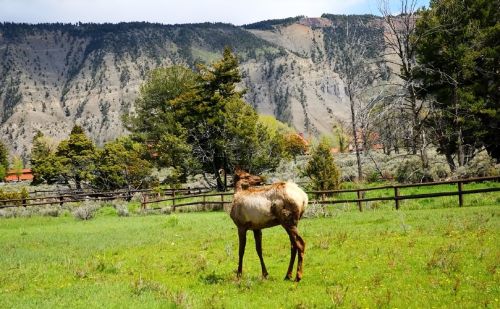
(243, 180)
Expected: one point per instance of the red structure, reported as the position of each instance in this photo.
(26, 175)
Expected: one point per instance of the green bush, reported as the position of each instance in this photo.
(481, 165)
(14, 195)
(411, 171)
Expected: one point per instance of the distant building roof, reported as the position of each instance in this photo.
(26, 175)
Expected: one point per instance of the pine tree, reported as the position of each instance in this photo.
(156, 121)
(77, 155)
(321, 168)
(45, 165)
(4, 161)
(460, 67)
(198, 122)
(120, 165)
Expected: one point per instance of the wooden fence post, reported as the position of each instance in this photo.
(61, 200)
(144, 199)
(222, 199)
(173, 199)
(396, 197)
(204, 200)
(360, 206)
(460, 195)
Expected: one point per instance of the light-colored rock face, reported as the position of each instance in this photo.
(51, 79)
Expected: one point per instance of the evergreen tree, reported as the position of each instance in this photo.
(77, 155)
(4, 161)
(45, 165)
(321, 168)
(460, 65)
(203, 124)
(155, 122)
(203, 112)
(120, 165)
(39, 153)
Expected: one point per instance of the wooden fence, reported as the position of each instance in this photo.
(61, 197)
(396, 198)
(329, 197)
(199, 197)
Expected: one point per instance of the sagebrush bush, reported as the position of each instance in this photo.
(137, 197)
(86, 211)
(4, 213)
(121, 207)
(166, 210)
(411, 171)
(315, 210)
(49, 212)
(481, 165)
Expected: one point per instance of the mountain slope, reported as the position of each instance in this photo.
(55, 75)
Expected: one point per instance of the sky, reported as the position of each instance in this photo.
(237, 12)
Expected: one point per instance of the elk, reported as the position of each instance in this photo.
(256, 208)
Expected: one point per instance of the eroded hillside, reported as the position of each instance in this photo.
(53, 75)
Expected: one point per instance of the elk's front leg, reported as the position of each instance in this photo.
(258, 246)
(242, 236)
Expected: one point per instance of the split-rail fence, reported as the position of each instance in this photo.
(174, 198)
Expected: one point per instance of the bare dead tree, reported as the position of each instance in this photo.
(357, 65)
(401, 40)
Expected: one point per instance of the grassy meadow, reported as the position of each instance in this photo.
(412, 258)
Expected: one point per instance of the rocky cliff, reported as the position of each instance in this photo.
(55, 75)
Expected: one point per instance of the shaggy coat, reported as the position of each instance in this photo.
(262, 207)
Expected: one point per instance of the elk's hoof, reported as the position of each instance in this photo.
(297, 279)
(264, 275)
(288, 277)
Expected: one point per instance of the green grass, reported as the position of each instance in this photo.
(446, 257)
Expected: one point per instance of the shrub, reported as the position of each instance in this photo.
(373, 176)
(121, 208)
(315, 210)
(86, 211)
(5, 213)
(137, 197)
(14, 195)
(411, 171)
(480, 166)
(166, 210)
(24, 212)
(49, 212)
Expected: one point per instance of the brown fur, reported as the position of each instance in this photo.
(255, 208)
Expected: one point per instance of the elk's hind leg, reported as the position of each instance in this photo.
(298, 248)
(258, 246)
(293, 253)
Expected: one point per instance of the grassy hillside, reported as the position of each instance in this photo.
(444, 257)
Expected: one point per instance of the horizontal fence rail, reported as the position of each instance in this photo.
(397, 197)
(201, 197)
